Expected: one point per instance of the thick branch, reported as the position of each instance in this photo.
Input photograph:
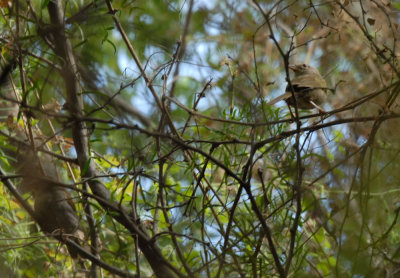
(63, 49)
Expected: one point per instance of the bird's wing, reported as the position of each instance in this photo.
(281, 97)
(310, 81)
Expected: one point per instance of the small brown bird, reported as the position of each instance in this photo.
(309, 88)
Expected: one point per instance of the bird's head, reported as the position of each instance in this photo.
(301, 69)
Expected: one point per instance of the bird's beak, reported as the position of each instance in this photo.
(292, 67)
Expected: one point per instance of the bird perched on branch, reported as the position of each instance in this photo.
(309, 88)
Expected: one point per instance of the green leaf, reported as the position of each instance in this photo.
(45, 3)
(86, 166)
(112, 44)
(80, 43)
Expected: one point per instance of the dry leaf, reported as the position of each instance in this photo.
(5, 3)
(232, 190)
(53, 106)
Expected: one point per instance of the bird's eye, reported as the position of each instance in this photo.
(304, 65)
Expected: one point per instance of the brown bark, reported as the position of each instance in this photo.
(63, 49)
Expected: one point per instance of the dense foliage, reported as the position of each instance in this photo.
(155, 115)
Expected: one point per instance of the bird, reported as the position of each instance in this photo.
(309, 88)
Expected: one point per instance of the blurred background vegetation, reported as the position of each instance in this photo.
(225, 185)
